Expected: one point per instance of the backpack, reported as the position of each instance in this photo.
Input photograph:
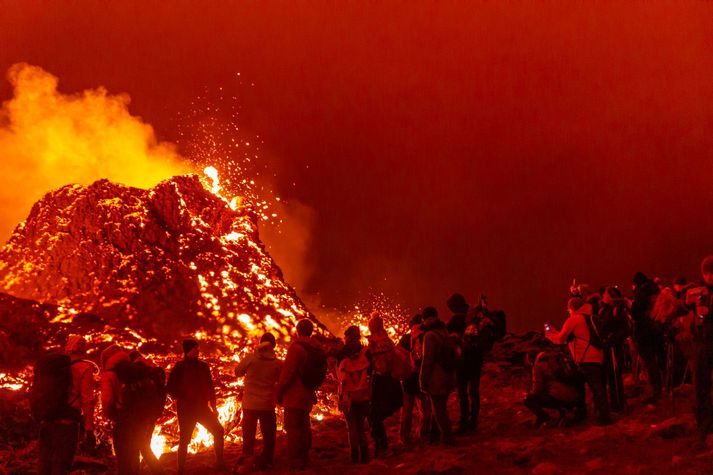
(401, 365)
(565, 369)
(314, 370)
(499, 320)
(51, 384)
(595, 340)
(355, 379)
(141, 396)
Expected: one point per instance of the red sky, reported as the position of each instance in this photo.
(503, 147)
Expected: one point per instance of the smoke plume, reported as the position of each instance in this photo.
(49, 139)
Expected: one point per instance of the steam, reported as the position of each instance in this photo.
(49, 139)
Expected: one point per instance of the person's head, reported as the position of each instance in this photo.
(680, 283)
(640, 279)
(268, 338)
(305, 327)
(429, 313)
(352, 334)
(456, 303)
(574, 304)
(112, 355)
(135, 355)
(707, 270)
(376, 323)
(76, 345)
(415, 320)
(610, 295)
(190, 348)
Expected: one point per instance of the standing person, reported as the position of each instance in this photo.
(62, 398)
(437, 376)
(700, 300)
(413, 342)
(613, 326)
(469, 365)
(261, 371)
(354, 374)
(158, 375)
(647, 337)
(586, 354)
(386, 397)
(190, 384)
(302, 374)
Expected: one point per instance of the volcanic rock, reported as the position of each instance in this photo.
(167, 261)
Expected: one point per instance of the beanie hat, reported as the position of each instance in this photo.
(189, 344)
(456, 303)
(415, 320)
(640, 278)
(270, 338)
(707, 265)
(376, 323)
(76, 344)
(305, 327)
(429, 312)
(575, 303)
(352, 333)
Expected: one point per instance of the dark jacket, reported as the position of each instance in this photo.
(434, 378)
(191, 384)
(644, 298)
(613, 322)
(546, 382)
(290, 390)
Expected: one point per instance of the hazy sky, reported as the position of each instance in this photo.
(504, 147)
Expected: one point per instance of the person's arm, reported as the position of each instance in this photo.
(429, 359)
(242, 368)
(561, 337)
(174, 381)
(87, 398)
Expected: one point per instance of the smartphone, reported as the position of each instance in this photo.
(547, 327)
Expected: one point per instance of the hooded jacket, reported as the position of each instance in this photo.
(290, 389)
(434, 379)
(111, 392)
(261, 371)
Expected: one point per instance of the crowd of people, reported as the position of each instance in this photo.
(606, 333)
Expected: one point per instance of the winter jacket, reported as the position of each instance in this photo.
(261, 370)
(354, 374)
(545, 381)
(434, 379)
(191, 384)
(381, 349)
(575, 333)
(644, 298)
(81, 394)
(613, 322)
(290, 390)
(111, 387)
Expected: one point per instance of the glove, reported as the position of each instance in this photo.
(90, 441)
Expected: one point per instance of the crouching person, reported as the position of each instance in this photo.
(261, 371)
(355, 392)
(555, 385)
(191, 386)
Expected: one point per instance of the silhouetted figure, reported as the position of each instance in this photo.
(62, 398)
(261, 371)
(386, 395)
(354, 374)
(190, 384)
(700, 300)
(158, 375)
(612, 323)
(648, 336)
(413, 342)
(576, 333)
(555, 385)
(470, 364)
(438, 368)
(296, 392)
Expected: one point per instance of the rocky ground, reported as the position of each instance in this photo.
(647, 439)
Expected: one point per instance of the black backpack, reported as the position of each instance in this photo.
(142, 397)
(595, 338)
(51, 383)
(449, 355)
(314, 371)
(566, 370)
